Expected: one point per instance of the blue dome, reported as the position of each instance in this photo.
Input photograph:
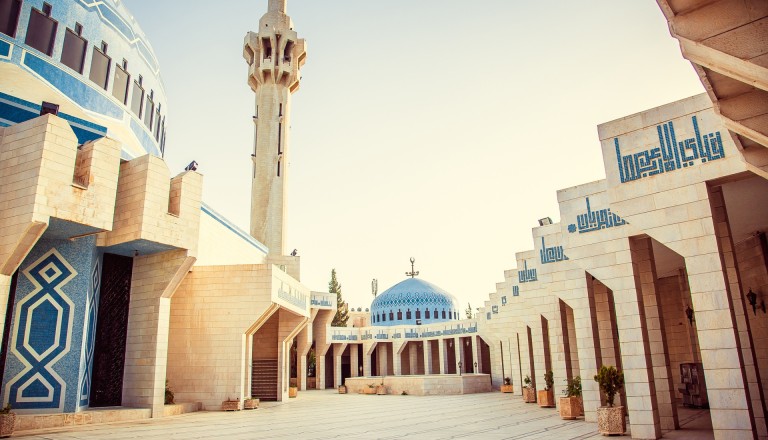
(414, 301)
(90, 58)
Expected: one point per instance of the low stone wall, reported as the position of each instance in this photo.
(428, 385)
(25, 422)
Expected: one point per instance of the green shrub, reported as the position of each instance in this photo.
(573, 387)
(610, 380)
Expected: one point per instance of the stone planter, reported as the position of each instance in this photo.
(230, 405)
(292, 392)
(369, 390)
(529, 395)
(381, 390)
(250, 403)
(547, 399)
(342, 389)
(7, 422)
(507, 389)
(570, 408)
(610, 420)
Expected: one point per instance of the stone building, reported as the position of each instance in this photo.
(118, 278)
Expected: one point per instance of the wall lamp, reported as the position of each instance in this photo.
(752, 298)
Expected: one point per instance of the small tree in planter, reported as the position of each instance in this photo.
(7, 421)
(547, 395)
(507, 387)
(381, 390)
(529, 390)
(610, 419)
(570, 405)
(369, 389)
(169, 397)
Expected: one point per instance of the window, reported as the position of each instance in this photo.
(162, 140)
(443, 313)
(408, 314)
(41, 32)
(426, 314)
(120, 83)
(73, 52)
(149, 110)
(399, 315)
(100, 67)
(391, 316)
(9, 16)
(383, 317)
(418, 314)
(157, 123)
(137, 99)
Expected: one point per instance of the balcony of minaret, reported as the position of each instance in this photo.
(274, 57)
(50, 183)
(154, 213)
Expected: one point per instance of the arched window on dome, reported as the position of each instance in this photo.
(435, 315)
(443, 313)
(427, 314)
(399, 315)
(455, 315)
(408, 314)
(418, 314)
(376, 318)
(383, 317)
(391, 316)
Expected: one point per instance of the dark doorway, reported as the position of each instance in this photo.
(111, 331)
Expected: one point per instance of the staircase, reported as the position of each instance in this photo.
(264, 380)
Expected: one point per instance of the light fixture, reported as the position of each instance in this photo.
(49, 108)
(689, 314)
(191, 167)
(545, 221)
(752, 298)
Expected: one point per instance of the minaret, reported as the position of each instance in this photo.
(274, 55)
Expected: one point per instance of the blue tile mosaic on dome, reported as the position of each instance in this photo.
(413, 301)
(45, 367)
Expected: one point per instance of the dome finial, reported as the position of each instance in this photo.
(412, 273)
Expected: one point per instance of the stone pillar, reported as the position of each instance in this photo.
(367, 359)
(320, 371)
(476, 358)
(338, 351)
(645, 265)
(428, 357)
(397, 358)
(383, 360)
(442, 355)
(413, 358)
(154, 280)
(459, 351)
(353, 360)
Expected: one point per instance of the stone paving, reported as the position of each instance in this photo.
(327, 415)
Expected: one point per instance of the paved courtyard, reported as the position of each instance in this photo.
(327, 415)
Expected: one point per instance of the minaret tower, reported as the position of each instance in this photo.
(274, 55)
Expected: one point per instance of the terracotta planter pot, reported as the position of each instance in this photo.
(381, 390)
(292, 392)
(7, 422)
(529, 395)
(610, 420)
(250, 403)
(570, 408)
(230, 405)
(369, 390)
(546, 399)
(507, 389)
(342, 389)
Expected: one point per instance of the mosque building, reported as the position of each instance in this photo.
(116, 278)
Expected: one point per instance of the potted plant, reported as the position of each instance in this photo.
(547, 395)
(571, 405)
(231, 405)
(610, 419)
(293, 391)
(7, 421)
(529, 390)
(370, 389)
(507, 387)
(250, 403)
(381, 390)
(342, 389)
(168, 394)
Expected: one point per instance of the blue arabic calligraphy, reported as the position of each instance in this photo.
(670, 155)
(551, 254)
(595, 220)
(527, 275)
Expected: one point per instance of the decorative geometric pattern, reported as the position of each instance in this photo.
(91, 307)
(42, 335)
(413, 295)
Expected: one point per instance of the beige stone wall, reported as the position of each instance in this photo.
(214, 312)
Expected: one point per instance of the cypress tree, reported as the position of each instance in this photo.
(342, 314)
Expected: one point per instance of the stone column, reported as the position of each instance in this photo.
(413, 358)
(441, 354)
(320, 371)
(476, 358)
(367, 359)
(353, 360)
(459, 350)
(428, 357)
(397, 358)
(383, 360)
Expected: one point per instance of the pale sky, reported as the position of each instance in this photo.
(438, 129)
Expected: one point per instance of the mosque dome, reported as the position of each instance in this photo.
(413, 301)
(92, 60)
